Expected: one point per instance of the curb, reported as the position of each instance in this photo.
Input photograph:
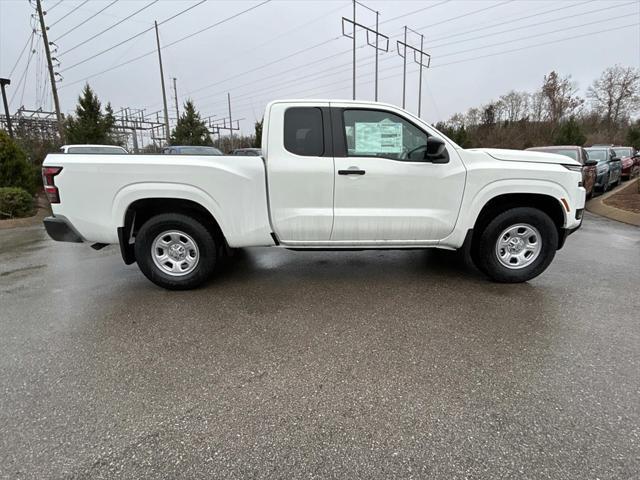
(597, 206)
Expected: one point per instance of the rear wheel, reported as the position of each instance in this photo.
(517, 245)
(176, 251)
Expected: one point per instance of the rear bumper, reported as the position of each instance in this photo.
(61, 230)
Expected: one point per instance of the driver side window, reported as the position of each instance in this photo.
(376, 133)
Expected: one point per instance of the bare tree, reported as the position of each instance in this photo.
(472, 117)
(514, 105)
(457, 120)
(560, 96)
(616, 93)
(536, 106)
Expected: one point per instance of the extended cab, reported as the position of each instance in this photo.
(333, 175)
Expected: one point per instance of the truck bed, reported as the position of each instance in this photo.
(96, 190)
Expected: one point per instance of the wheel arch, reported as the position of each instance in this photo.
(500, 203)
(142, 209)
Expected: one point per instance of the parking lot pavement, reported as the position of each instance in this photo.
(318, 365)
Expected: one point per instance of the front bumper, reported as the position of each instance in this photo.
(61, 230)
(600, 180)
(565, 232)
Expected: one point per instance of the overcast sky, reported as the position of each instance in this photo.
(295, 49)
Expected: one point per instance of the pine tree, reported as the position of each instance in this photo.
(570, 133)
(90, 124)
(258, 135)
(190, 130)
(633, 135)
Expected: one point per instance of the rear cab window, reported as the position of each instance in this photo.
(303, 131)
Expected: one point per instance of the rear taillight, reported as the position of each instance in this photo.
(48, 174)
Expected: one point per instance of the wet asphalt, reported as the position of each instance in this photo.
(321, 365)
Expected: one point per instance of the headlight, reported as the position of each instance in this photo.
(573, 168)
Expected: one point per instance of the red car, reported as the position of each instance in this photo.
(630, 161)
(589, 170)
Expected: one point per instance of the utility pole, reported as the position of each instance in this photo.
(376, 88)
(404, 68)
(164, 92)
(52, 77)
(420, 61)
(3, 82)
(375, 44)
(175, 93)
(420, 79)
(354, 49)
(230, 123)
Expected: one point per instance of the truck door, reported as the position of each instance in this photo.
(300, 171)
(388, 188)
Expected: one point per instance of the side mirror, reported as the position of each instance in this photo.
(590, 162)
(436, 151)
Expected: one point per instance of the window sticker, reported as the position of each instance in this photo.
(378, 137)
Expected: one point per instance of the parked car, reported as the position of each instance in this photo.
(190, 150)
(102, 149)
(250, 152)
(609, 167)
(589, 170)
(630, 162)
(335, 175)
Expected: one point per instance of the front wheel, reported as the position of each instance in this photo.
(176, 251)
(517, 245)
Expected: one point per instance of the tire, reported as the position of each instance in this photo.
(533, 257)
(176, 251)
(605, 184)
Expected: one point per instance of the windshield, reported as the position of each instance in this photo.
(111, 150)
(199, 151)
(623, 152)
(571, 153)
(599, 154)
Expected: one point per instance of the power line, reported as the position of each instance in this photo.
(85, 21)
(536, 45)
(331, 40)
(132, 37)
(29, 39)
(563, 29)
(109, 28)
(485, 27)
(480, 57)
(24, 73)
(473, 12)
(390, 58)
(54, 6)
(169, 44)
(69, 13)
(346, 51)
(296, 53)
(428, 7)
(552, 20)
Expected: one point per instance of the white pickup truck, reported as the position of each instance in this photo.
(334, 175)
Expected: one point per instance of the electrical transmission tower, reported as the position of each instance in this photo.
(134, 120)
(375, 43)
(418, 57)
